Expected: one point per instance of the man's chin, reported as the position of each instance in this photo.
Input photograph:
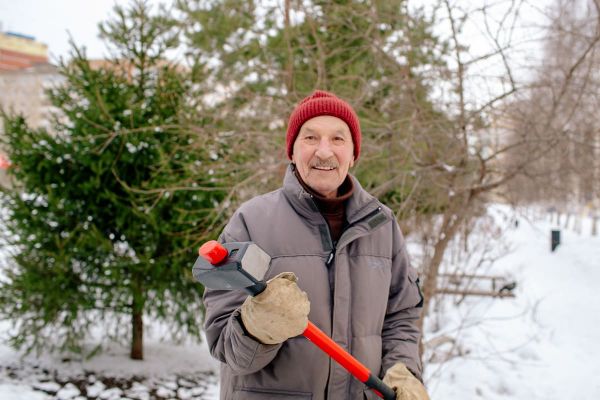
(323, 191)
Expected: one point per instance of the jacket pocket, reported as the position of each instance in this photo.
(413, 276)
(264, 394)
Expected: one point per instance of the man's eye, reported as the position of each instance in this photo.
(310, 138)
(339, 139)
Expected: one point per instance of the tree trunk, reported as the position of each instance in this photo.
(430, 285)
(450, 225)
(137, 338)
(289, 68)
(137, 323)
(431, 276)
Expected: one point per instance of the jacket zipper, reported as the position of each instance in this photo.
(330, 259)
(328, 263)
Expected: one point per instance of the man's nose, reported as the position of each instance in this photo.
(324, 149)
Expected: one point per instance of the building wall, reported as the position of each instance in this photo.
(23, 92)
(20, 51)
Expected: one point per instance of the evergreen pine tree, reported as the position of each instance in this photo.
(110, 203)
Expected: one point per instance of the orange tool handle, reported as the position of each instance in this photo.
(346, 360)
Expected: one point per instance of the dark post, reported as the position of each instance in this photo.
(555, 241)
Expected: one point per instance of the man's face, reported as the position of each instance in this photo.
(323, 152)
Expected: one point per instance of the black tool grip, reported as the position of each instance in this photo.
(257, 288)
(377, 384)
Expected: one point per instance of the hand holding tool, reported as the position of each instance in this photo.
(404, 382)
(279, 312)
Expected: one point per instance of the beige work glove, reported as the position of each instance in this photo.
(407, 387)
(279, 312)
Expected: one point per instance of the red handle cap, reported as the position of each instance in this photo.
(213, 252)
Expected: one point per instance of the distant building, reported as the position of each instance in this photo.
(24, 74)
(22, 91)
(19, 51)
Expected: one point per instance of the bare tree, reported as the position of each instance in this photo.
(482, 120)
(566, 90)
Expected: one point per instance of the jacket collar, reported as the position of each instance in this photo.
(360, 204)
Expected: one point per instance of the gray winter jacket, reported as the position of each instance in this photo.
(371, 311)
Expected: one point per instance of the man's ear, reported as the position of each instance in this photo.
(352, 162)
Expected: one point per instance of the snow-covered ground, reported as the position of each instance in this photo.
(541, 344)
(168, 371)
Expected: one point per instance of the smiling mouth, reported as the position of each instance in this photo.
(324, 168)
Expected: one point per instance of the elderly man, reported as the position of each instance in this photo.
(337, 258)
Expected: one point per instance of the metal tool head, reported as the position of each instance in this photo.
(244, 265)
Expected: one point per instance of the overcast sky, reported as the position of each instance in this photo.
(50, 22)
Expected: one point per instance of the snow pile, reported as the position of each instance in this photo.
(183, 373)
(12, 391)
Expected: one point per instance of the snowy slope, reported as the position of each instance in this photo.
(542, 344)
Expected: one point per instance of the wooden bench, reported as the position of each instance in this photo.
(475, 285)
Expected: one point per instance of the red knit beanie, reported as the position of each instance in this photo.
(322, 103)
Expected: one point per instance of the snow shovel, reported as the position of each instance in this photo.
(243, 265)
